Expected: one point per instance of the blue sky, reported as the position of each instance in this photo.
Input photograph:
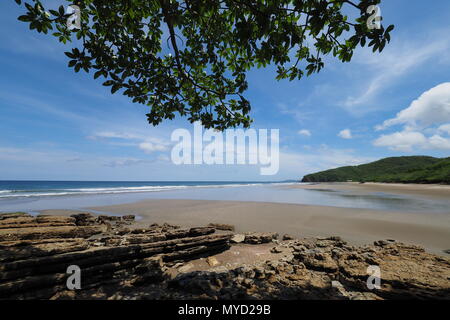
(58, 125)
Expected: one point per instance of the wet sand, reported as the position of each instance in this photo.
(434, 191)
(357, 226)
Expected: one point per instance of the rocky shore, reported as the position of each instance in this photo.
(120, 258)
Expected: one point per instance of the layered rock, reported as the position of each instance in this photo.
(35, 252)
(119, 260)
(222, 226)
(260, 237)
(323, 268)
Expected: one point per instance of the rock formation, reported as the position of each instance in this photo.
(35, 252)
(121, 260)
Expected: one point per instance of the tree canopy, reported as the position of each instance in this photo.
(191, 57)
(411, 169)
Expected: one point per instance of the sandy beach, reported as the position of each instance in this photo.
(357, 226)
(434, 191)
(133, 241)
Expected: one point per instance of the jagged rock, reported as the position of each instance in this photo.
(407, 272)
(222, 226)
(64, 295)
(54, 219)
(16, 250)
(133, 263)
(30, 233)
(84, 219)
(34, 259)
(382, 243)
(13, 215)
(185, 268)
(288, 237)
(341, 292)
(150, 270)
(136, 238)
(212, 261)
(24, 221)
(339, 288)
(200, 231)
(238, 238)
(167, 227)
(276, 250)
(260, 237)
(336, 242)
(130, 217)
(319, 261)
(104, 218)
(19, 220)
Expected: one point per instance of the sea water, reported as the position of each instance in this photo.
(32, 196)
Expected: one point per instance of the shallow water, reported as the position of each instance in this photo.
(279, 193)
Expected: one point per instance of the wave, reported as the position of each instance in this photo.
(117, 190)
(65, 192)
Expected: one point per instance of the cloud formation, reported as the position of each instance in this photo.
(345, 134)
(401, 141)
(304, 132)
(394, 63)
(431, 108)
(126, 162)
(144, 143)
(150, 147)
(426, 123)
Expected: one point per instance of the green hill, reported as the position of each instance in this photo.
(414, 169)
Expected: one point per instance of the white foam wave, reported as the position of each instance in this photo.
(117, 190)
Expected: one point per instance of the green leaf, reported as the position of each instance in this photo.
(70, 55)
(54, 12)
(24, 18)
(114, 88)
(98, 74)
(212, 46)
(61, 10)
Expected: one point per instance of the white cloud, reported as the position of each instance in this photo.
(126, 162)
(432, 107)
(150, 147)
(305, 132)
(58, 156)
(395, 62)
(401, 141)
(345, 134)
(426, 123)
(144, 143)
(318, 159)
(439, 142)
(295, 111)
(445, 128)
(407, 141)
(117, 135)
(163, 157)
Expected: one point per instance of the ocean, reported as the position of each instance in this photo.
(34, 196)
(26, 189)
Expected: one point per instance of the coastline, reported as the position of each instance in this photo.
(121, 260)
(357, 226)
(434, 191)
